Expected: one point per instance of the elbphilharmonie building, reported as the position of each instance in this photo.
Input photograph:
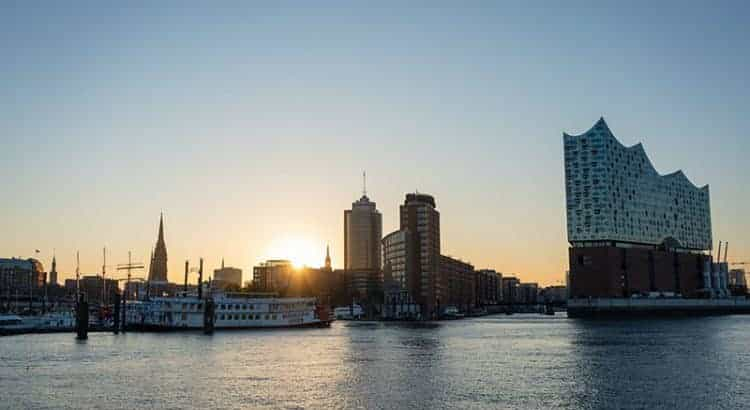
(633, 232)
(615, 195)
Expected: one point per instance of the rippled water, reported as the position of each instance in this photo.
(521, 361)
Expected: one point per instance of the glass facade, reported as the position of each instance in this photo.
(613, 193)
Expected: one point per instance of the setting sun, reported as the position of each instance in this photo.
(300, 250)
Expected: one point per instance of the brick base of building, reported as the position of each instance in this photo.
(615, 272)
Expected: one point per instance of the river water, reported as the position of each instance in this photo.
(515, 362)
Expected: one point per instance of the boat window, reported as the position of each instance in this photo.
(251, 307)
(244, 317)
(222, 317)
(273, 317)
(223, 307)
(200, 306)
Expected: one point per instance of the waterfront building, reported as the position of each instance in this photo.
(363, 229)
(632, 231)
(419, 216)
(21, 278)
(528, 293)
(488, 287)
(614, 194)
(227, 276)
(460, 279)
(557, 295)
(510, 290)
(273, 275)
(399, 278)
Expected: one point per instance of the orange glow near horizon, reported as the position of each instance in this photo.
(300, 250)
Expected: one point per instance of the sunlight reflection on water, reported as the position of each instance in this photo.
(492, 362)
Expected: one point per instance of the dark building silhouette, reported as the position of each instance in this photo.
(460, 279)
(419, 216)
(53, 272)
(157, 272)
(227, 277)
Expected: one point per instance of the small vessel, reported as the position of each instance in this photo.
(231, 311)
(451, 312)
(48, 322)
(351, 312)
(14, 324)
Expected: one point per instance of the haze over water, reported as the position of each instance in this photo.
(517, 362)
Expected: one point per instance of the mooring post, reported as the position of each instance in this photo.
(123, 309)
(82, 318)
(208, 316)
(116, 315)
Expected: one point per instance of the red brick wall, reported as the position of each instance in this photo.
(600, 274)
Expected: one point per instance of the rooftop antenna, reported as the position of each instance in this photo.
(364, 183)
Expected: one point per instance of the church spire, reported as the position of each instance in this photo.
(158, 272)
(328, 257)
(161, 228)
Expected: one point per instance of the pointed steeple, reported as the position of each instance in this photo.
(328, 257)
(161, 228)
(222, 263)
(158, 271)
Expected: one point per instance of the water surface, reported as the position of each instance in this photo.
(515, 362)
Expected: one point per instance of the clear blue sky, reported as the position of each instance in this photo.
(249, 125)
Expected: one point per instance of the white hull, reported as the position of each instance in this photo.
(176, 313)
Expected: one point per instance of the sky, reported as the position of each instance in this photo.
(249, 124)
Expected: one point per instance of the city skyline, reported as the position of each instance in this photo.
(249, 127)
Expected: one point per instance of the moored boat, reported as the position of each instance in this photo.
(231, 311)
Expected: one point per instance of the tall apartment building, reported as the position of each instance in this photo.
(400, 283)
(631, 230)
(419, 216)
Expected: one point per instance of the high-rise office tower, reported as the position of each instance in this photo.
(363, 230)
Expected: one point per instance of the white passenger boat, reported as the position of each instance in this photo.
(13, 324)
(231, 311)
(49, 322)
